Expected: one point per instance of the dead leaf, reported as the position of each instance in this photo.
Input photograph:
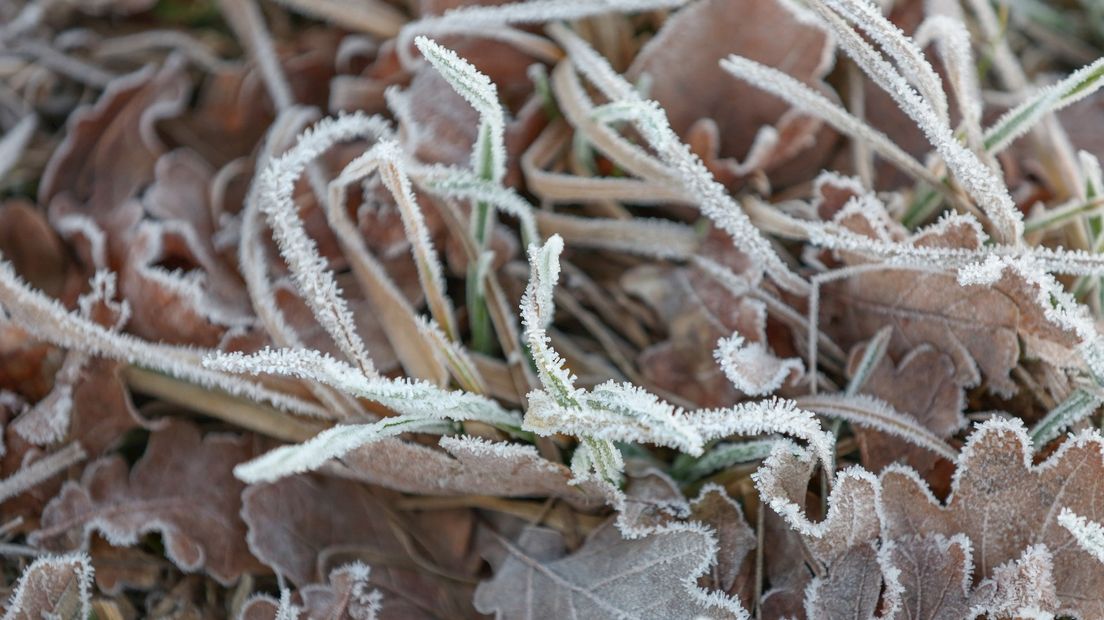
(608, 577)
(736, 541)
(288, 533)
(684, 76)
(52, 587)
(979, 327)
(183, 488)
(467, 466)
(1004, 504)
(922, 385)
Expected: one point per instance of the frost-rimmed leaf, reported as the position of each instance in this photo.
(182, 487)
(53, 587)
(1008, 506)
(653, 576)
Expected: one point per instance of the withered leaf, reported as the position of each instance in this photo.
(467, 466)
(290, 534)
(682, 62)
(979, 327)
(347, 596)
(934, 573)
(608, 577)
(922, 385)
(183, 488)
(735, 539)
(1005, 505)
(52, 587)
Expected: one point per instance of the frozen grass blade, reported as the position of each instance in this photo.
(878, 415)
(1019, 120)
(978, 179)
(807, 100)
(488, 164)
(386, 157)
(1079, 405)
(311, 272)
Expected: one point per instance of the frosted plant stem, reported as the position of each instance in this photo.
(41, 470)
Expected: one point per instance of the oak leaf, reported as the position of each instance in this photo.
(183, 488)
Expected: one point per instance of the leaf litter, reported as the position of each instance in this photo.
(621, 309)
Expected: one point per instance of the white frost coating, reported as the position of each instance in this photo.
(421, 407)
(1019, 120)
(874, 413)
(47, 319)
(1088, 534)
(452, 182)
(753, 369)
(311, 272)
(1059, 307)
(623, 412)
(403, 395)
(478, 90)
(493, 21)
(387, 158)
(41, 470)
(978, 179)
(953, 42)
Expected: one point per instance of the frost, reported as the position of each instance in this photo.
(753, 369)
(1088, 534)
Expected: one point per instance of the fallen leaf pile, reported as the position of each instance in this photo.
(450, 309)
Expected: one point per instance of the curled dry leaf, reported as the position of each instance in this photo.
(52, 587)
(681, 66)
(182, 488)
(467, 466)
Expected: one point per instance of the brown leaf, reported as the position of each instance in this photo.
(696, 311)
(346, 597)
(183, 488)
(979, 327)
(922, 385)
(467, 466)
(288, 533)
(608, 577)
(1004, 504)
(682, 62)
(111, 148)
(934, 572)
(735, 540)
(52, 587)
